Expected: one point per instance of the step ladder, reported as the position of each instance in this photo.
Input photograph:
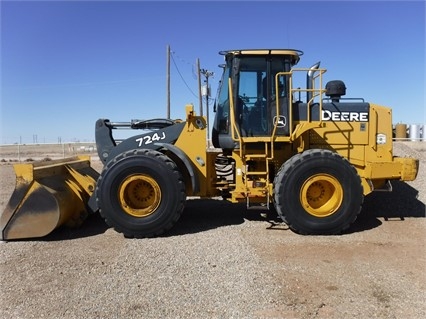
(265, 174)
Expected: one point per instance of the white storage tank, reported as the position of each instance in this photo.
(415, 132)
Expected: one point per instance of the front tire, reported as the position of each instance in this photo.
(141, 193)
(318, 192)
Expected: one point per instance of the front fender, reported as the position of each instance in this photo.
(185, 160)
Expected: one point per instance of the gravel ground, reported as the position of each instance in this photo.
(221, 261)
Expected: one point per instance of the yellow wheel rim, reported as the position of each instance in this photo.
(321, 195)
(139, 195)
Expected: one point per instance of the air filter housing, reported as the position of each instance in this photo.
(335, 90)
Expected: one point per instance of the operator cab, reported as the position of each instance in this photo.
(255, 85)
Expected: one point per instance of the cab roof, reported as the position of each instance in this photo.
(296, 54)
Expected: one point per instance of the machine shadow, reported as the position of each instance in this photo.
(399, 204)
(92, 226)
(201, 215)
(205, 214)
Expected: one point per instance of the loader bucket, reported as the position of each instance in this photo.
(48, 195)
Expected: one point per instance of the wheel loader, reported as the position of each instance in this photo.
(305, 151)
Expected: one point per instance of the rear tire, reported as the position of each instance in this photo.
(318, 192)
(141, 193)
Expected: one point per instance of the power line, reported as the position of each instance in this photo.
(181, 76)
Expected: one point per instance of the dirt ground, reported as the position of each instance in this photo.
(260, 269)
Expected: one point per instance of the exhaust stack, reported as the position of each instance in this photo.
(309, 80)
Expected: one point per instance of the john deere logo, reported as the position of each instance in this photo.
(344, 116)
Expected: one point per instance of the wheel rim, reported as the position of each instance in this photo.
(140, 195)
(321, 195)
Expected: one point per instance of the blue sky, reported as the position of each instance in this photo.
(64, 64)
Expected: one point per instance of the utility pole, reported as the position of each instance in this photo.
(207, 74)
(199, 87)
(168, 81)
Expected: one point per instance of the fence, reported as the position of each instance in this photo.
(29, 152)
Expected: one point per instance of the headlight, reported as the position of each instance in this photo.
(381, 139)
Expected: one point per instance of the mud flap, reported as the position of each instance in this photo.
(48, 195)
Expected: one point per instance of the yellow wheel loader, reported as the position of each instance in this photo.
(307, 152)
